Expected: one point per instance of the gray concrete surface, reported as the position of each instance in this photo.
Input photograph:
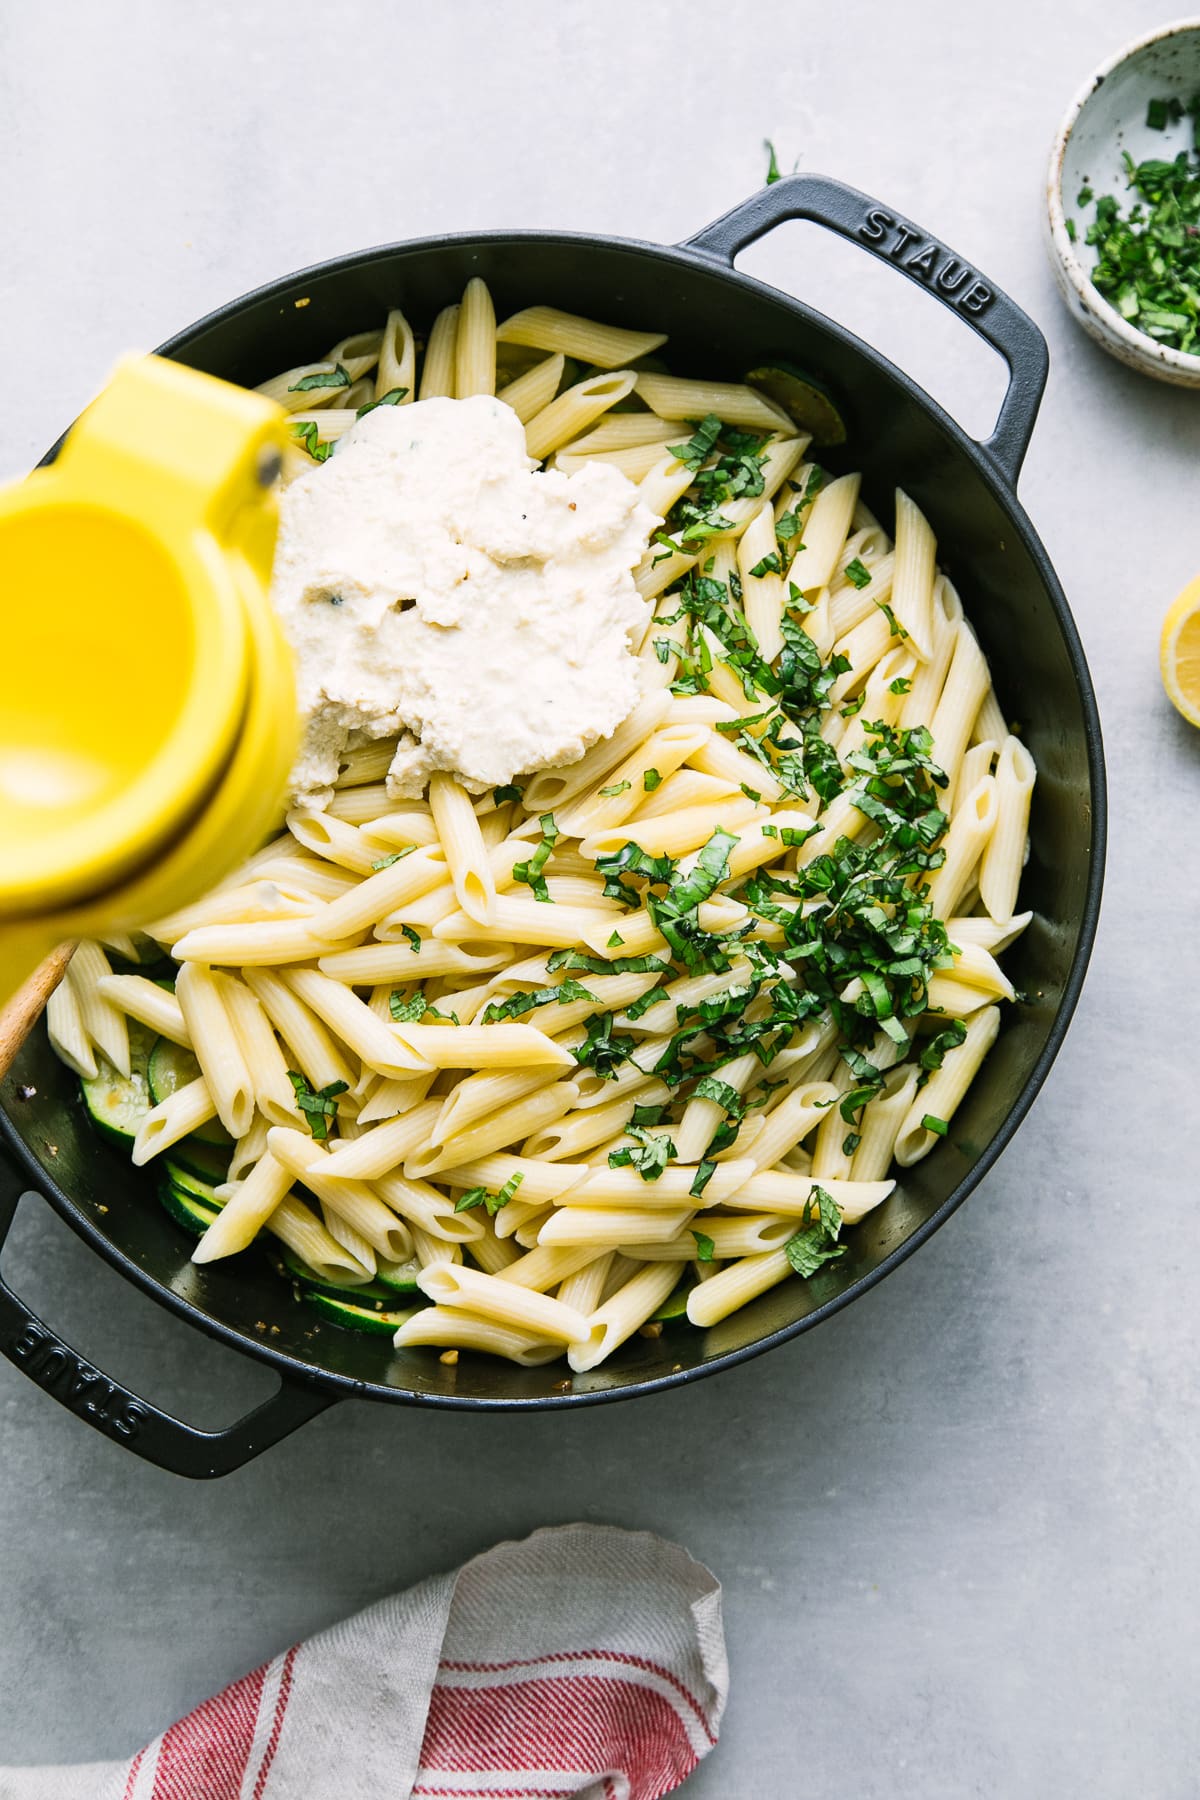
(956, 1526)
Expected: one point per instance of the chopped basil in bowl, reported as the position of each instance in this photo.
(1123, 205)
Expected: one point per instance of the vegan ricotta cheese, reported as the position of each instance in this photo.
(434, 583)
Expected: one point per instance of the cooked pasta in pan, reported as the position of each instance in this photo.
(531, 1066)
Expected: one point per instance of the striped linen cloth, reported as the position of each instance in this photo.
(583, 1661)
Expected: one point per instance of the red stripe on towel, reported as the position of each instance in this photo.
(204, 1756)
(569, 1722)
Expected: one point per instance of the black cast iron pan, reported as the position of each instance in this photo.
(720, 323)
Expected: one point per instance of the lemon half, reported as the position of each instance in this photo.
(1179, 653)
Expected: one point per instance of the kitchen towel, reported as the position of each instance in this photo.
(584, 1660)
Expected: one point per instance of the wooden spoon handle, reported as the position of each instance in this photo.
(19, 1015)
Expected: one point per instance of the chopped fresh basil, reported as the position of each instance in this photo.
(932, 1123)
(510, 792)
(414, 938)
(710, 1088)
(651, 779)
(934, 1053)
(324, 378)
(481, 1196)
(768, 565)
(649, 1155)
(531, 998)
(530, 872)
(698, 447)
(599, 965)
(618, 787)
(319, 1105)
(603, 1049)
(307, 432)
(704, 1247)
(393, 397)
(858, 573)
(385, 862)
(816, 1245)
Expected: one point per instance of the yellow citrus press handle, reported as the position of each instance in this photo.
(147, 712)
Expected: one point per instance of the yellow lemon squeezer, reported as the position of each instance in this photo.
(147, 703)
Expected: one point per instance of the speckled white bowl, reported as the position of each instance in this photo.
(1108, 116)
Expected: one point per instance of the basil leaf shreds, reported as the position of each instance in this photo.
(414, 938)
(773, 173)
(530, 872)
(385, 862)
(649, 1155)
(932, 1123)
(699, 445)
(618, 787)
(511, 792)
(481, 1196)
(648, 1115)
(686, 896)
(531, 998)
(308, 433)
(1148, 259)
(505, 1194)
(768, 565)
(858, 573)
(324, 378)
(319, 1105)
(710, 1088)
(704, 1247)
(603, 1049)
(651, 779)
(934, 1053)
(614, 940)
(407, 1012)
(393, 397)
(814, 1246)
(705, 1170)
(597, 965)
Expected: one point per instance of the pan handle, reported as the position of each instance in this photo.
(124, 1417)
(924, 259)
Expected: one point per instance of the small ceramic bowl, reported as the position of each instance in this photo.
(1105, 118)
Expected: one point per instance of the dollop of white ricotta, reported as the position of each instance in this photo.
(434, 583)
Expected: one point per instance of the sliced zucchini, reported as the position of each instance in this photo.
(117, 1104)
(207, 1162)
(674, 1307)
(293, 1268)
(352, 1316)
(398, 1278)
(186, 1208)
(171, 1067)
(195, 1185)
(803, 399)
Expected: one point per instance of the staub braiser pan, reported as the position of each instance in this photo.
(720, 323)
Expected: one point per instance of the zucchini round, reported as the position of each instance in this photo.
(351, 1316)
(674, 1307)
(171, 1067)
(803, 399)
(117, 1104)
(293, 1268)
(186, 1208)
